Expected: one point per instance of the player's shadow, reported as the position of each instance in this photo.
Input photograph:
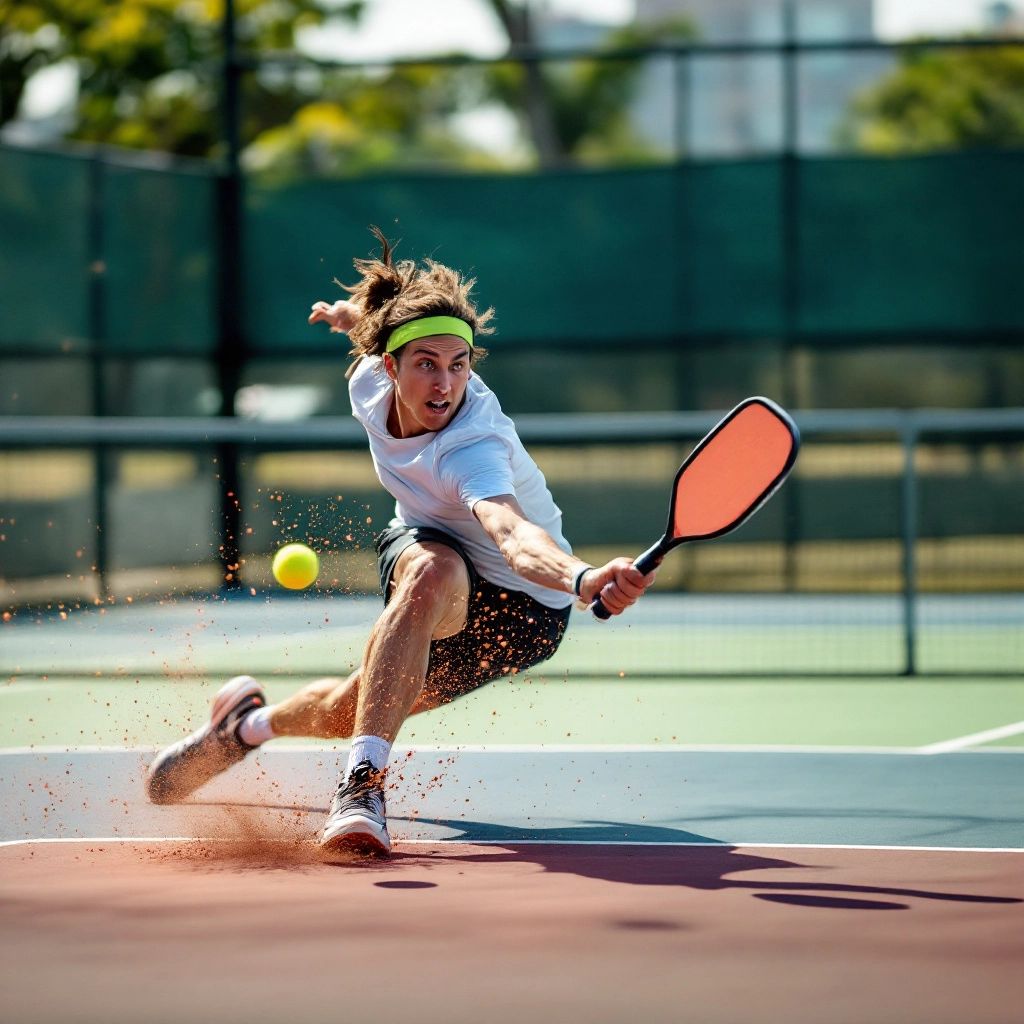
(656, 855)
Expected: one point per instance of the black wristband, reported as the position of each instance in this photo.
(577, 582)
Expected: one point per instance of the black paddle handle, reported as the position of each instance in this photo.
(646, 562)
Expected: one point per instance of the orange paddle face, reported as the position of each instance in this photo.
(725, 479)
(732, 471)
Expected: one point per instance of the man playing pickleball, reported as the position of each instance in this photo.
(476, 575)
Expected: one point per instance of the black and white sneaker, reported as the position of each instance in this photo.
(182, 768)
(357, 822)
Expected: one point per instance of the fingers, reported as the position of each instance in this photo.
(616, 599)
(620, 585)
(321, 312)
(341, 316)
(633, 582)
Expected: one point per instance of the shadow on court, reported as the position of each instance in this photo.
(686, 860)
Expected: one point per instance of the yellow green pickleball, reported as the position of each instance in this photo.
(295, 566)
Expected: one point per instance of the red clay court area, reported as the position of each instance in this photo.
(553, 903)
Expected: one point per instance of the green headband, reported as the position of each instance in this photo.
(428, 327)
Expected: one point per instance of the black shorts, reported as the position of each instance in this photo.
(506, 631)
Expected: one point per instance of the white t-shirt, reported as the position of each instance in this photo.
(437, 478)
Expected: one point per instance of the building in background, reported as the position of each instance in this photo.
(564, 32)
(1002, 18)
(733, 104)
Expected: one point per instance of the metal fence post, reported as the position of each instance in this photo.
(682, 78)
(790, 264)
(98, 345)
(908, 532)
(230, 305)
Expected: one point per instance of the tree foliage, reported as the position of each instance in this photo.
(147, 68)
(943, 99)
(149, 73)
(576, 111)
(351, 122)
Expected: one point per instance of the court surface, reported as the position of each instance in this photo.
(579, 845)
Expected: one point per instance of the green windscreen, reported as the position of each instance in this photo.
(160, 232)
(729, 272)
(550, 253)
(692, 252)
(575, 257)
(44, 252)
(908, 245)
(927, 243)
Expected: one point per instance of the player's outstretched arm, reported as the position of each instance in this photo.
(341, 316)
(532, 553)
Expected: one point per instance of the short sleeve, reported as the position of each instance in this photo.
(476, 471)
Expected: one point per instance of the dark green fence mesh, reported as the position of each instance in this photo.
(149, 237)
(932, 243)
(907, 245)
(160, 254)
(581, 257)
(730, 274)
(561, 257)
(44, 252)
(692, 251)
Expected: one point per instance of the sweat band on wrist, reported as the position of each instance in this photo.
(428, 327)
(578, 581)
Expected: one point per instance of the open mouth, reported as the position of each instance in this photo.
(438, 407)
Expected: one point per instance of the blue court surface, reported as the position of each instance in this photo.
(961, 800)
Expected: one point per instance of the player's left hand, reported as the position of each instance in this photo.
(342, 315)
(618, 583)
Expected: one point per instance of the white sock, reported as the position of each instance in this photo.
(255, 728)
(368, 748)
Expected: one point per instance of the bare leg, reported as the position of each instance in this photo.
(429, 602)
(430, 592)
(325, 709)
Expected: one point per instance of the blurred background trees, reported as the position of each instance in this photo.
(148, 74)
(148, 78)
(942, 99)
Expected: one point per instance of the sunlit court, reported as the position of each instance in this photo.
(512, 511)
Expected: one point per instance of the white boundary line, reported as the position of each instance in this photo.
(973, 739)
(540, 842)
(962, 744)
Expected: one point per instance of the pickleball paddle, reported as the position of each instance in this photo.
(731, 473)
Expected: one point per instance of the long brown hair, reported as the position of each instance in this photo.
(390, 294)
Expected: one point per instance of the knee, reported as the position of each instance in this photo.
(434, 577)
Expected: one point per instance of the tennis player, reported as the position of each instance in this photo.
(477, 577)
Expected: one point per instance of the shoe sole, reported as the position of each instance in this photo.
(360, 839)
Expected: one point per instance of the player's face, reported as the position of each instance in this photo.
(430, 382)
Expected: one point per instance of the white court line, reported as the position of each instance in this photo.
(973, 739)
(540, 842)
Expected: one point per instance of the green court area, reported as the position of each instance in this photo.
(545, 710)
(679, 671)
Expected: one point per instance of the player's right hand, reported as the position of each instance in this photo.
(618, 584)
(341, 316)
